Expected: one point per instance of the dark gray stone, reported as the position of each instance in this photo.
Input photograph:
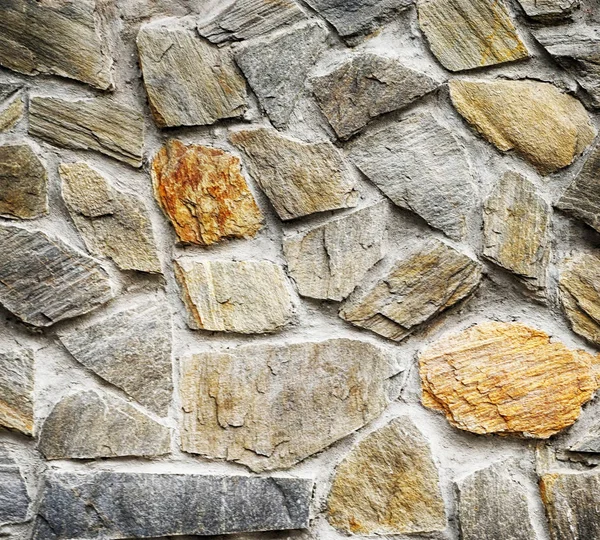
(14, 500)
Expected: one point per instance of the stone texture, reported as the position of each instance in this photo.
(421, 166)
(44, 280)
(366, 86)
(589, 441)
(549, 10)
(23, 183)
(99, 124)
(141, 505)
(203, 193)
(247, 297)
(11, 105)
(328, 261)
(276, 68)
(132, 350)
(271, 406)
(468, 34)
(536, 120)
(14, 500)
(16, 391)
(189, 81)
(507, 378)
(299, 178)
(112, 223)
(416, 289)
(388, 484)
(59, 38)
(90, 425)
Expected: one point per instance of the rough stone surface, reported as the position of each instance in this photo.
(416, 289)
(540, 123)
(588, 442)
(112, 223)
(549, 10)
(507, 378)
(16, 391)
(299, 178)
(271, 406)
(388, 484)
(14, 500)
(43, 280)
(421, 166)
(366, 86)
(202, 191)
(11, 105)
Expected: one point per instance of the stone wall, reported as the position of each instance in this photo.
(305, 270)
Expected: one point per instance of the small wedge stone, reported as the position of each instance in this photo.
(14, 500)
(549, 10)
(16, 391)
(12, 106)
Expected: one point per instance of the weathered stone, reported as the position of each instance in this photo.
(507, 378)
(23, 183)
(168, 56)
(43, 280)
(328, 261)
(468, 34)
(247, 297)
(536, 120)
(276, 68)
(142, 505)
(365, 87)
(416, 289)
(132, 350)
(588, 442)
(14, 500)
(271, 406)
(517, 231)
(202, 191)
(16, 391)
(112, 223)
(90, 425)
(421, 166)
(388, 484)
(99, 124)
(59, 38)
(299, 178)
(11, 105)
(549, 10)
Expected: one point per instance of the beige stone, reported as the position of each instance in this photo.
(16, 390)
(12, 106)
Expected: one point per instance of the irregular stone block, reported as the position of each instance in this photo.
(23, 183)
(536, 120)
(58, 38)
(203, 193)
(168, 56)
(388, 484)
(549, 10)
(99, 124)
(364, 87)
(421, 166)
(299, 178)
(43, 280)
(90, 425)
(271, 406)
(416, 289)
(328, 261)
(112, 223)
(11, 105)
(14, 500)
(247, 297)
(507, 378)
(589, 441)
(16, 391)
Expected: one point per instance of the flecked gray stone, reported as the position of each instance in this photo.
(549, 10)
(14, 500)
(12, 106)
(16, 390)
(589, 441)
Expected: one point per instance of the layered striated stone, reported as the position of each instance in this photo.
(421, 166)
(328, 261)
(12, 106)
(298, 178)
(417, 288)
(14, 500)
(43, 280)
(16, 391)
(99, 124)
(271, 406)
(246, 297)
(549, 10)
(203, 193)
(540, 123)
(507, 378)
(366, 86)
(113, 223)
(388, 484)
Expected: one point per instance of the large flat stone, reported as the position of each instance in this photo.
(12, 105)
(14, 500)
(16, 391)
(549, 10)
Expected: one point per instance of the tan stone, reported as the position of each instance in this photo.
(16, 390)
(12, 106)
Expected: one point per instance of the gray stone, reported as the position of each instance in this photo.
(549, 10)
(132, 350)
(112, 223)
(12, 106)
(43, 280)
(588, 442)
(99, 124)
(16, 390)
(90, 425)
(106, 505)
(14, 500)
(328, 261)
(421, 166)
(366, 86)
(276, 68)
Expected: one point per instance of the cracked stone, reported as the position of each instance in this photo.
(16, 392)
(14, 500)
(549, 10)
(12, 106)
